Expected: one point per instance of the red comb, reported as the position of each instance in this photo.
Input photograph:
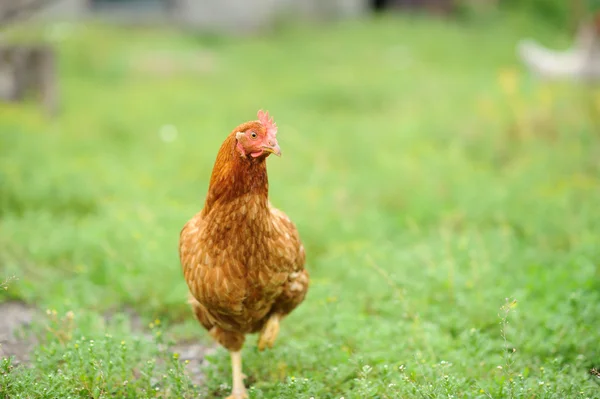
(267, 122)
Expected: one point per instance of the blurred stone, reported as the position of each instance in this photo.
(434, 6)
(244, 16)
(65, 9)
(15, 10)
(226, 16)
(27, 69)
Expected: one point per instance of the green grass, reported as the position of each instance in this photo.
(432, 181)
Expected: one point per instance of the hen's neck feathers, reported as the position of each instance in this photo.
(234, 176)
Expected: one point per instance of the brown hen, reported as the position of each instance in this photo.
(242, 259)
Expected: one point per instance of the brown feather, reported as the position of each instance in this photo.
(241, 258)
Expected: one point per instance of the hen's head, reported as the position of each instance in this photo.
(257, 138)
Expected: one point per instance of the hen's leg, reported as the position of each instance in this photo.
(269, 332)
(232, 341)
(239, 390)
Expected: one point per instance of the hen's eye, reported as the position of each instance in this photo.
(253, 135)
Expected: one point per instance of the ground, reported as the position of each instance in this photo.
(447, 201)
(16, 317)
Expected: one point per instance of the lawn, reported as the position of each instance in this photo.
(449, 205)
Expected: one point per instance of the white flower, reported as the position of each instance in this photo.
(168, 133)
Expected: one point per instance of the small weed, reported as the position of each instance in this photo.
(6, 283)
(508, 351)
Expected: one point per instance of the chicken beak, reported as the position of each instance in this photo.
(274, 149)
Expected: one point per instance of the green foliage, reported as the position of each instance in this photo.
(108, 363)
(429, 177)
(557, 12)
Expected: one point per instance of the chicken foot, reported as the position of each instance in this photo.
(269, 332)
(239, 390)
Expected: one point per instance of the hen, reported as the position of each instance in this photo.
(242, 259)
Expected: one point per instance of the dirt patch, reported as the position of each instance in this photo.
(191, 351)
(195, 353)
(15, 339)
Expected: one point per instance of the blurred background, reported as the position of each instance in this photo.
(441, 160)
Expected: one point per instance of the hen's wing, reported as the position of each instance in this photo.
(297, 283)
(215, 282)
(213, 278)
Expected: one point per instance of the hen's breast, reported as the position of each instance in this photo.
(236, 261)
